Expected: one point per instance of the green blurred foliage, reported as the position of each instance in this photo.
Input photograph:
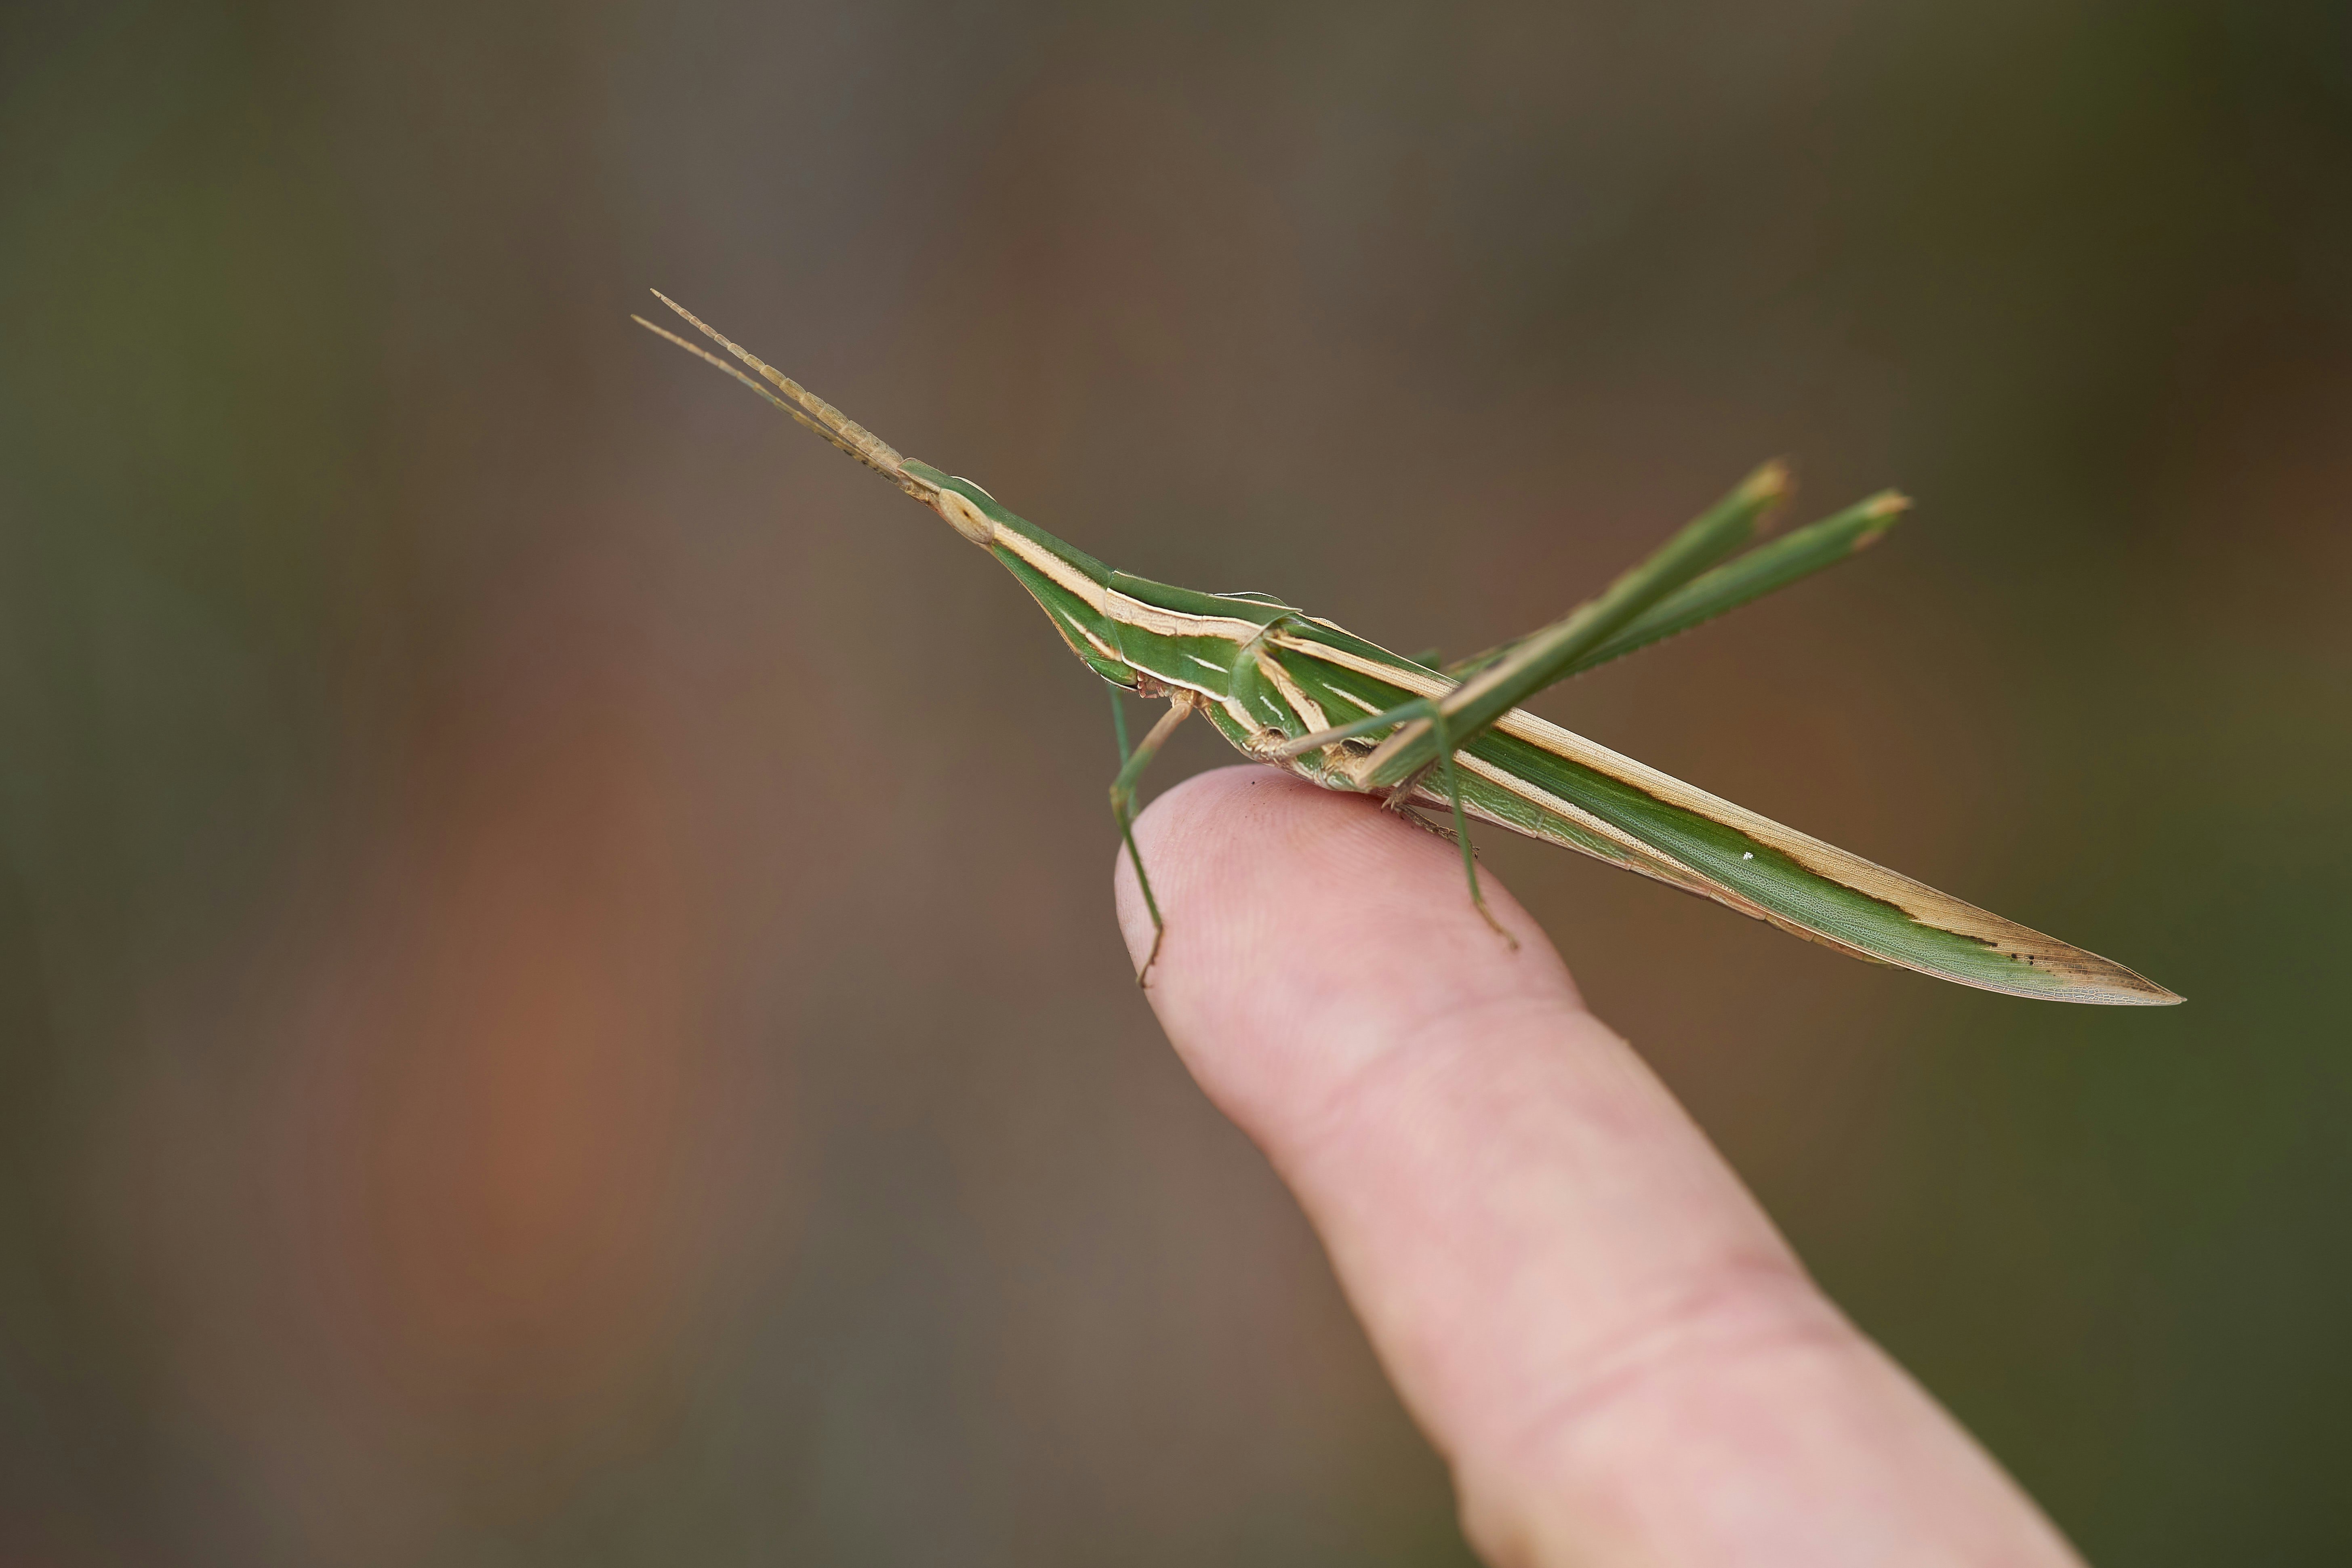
(528, 1034)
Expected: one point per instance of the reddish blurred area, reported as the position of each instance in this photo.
(557, 994)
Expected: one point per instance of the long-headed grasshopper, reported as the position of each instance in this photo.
(1294, 690)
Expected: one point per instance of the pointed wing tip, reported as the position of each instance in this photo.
(2153, 996)
(2127, 988)
(2118, 986)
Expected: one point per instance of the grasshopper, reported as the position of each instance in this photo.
(1298, 692)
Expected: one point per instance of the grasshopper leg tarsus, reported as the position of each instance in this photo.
(1119, 803)
(1143, 976)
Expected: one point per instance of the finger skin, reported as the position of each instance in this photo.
(1586, 1313)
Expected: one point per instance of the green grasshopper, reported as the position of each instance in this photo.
(1294, 690)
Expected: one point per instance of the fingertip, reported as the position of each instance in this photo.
(1307, 929)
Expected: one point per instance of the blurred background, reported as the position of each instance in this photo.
(529, 1034)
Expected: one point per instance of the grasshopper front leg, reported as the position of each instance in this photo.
(1180, 705)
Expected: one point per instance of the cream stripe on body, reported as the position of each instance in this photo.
(1308, 711)
(1051, 567)
(1128, 611)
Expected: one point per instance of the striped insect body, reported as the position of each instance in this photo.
(1299, 691)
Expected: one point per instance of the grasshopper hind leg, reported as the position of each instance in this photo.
(1402, 801)
(1452, 778)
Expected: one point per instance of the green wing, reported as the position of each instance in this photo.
(1536, 778)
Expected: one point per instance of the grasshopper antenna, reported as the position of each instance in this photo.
(804, 405)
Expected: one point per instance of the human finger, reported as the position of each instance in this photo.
(1586, 1311)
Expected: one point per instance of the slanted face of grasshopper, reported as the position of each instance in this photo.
(1294, 690)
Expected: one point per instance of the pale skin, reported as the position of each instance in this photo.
(1594, 1323)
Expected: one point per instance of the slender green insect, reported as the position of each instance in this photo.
(1294, 690)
